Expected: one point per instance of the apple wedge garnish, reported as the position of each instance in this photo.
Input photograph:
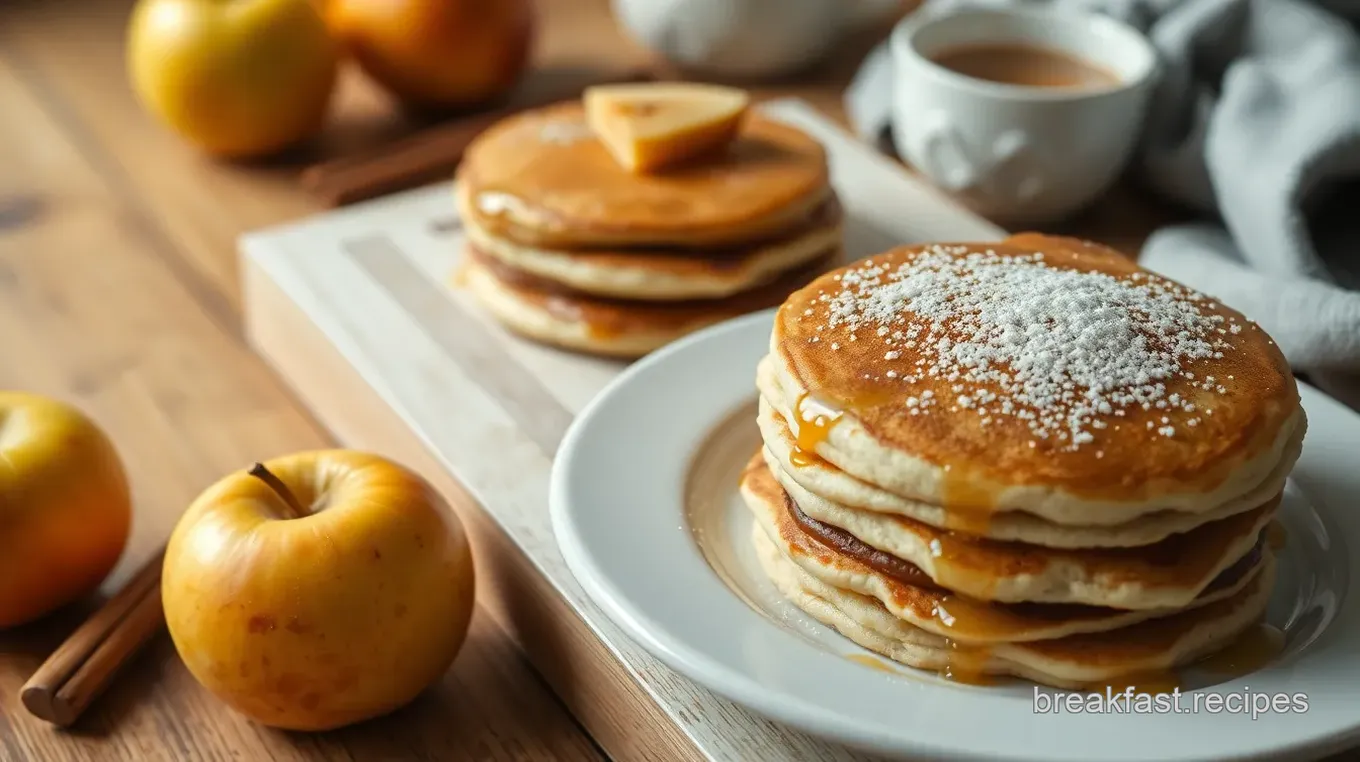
(654, 126)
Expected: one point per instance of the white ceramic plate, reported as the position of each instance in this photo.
(645, 508)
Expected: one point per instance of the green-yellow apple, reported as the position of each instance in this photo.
(65, 507)
(318, 589)
(437, 54)
(239, 78)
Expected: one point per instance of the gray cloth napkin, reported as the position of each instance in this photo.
(1255, 123)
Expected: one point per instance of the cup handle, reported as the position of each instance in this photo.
(1009, 153)
(998, 169)
(943, 156)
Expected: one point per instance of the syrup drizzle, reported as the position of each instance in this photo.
(967, 664)
(814, 420)
(802, 458)
(968, 501)
(1250, 651)
(872, 662)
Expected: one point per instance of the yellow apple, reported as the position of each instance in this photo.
(318, 589)
(437, 54)
(65, 508)
(239, 78)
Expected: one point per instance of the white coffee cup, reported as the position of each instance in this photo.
(1019, 153)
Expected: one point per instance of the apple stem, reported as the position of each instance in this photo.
(275, 483)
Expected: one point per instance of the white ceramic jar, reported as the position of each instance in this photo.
(745, 38)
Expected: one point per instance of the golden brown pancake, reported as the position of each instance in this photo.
(839, 491)
(1128, 438)
(939, 610)
(1037, 374)
(1143, 655)
(542, 178)
(1166, 574)
(550, 313)
(670, 274)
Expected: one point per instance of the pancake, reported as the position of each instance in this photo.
(823, 479)
(541, 178)
(934, 609)
(610, 327)
(665, 274)
(1149, 650)
(1167, 575)
(1039, 375)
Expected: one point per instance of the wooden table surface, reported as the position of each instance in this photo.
(119, 292)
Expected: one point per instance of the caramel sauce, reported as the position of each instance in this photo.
(973, 619)
(803, 458)
(1250, 651)
(967, 664)
(1148, 682)
(814, 420)
(872, 662)
(968, 521)
(1276, 535)
(964, 662)
(968, 501)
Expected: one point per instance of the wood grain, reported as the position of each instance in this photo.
(103, 303)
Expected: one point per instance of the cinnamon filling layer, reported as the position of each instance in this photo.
(847, 544)
(895, 568)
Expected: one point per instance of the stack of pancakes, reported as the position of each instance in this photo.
(1030, 458)
(569, 248)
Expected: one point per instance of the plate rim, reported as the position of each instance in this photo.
(796, 711)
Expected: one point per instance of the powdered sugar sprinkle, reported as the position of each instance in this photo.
(1060, 349)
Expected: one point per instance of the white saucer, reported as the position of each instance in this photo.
(645, 509)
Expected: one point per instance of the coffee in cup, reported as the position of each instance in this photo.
(1025, 66)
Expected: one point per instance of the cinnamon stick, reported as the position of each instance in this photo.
(425, 156)
(83, 666)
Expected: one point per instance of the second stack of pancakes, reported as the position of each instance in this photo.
(1029, 458)
(569, 248)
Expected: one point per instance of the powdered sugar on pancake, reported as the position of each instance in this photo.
(1061, 349)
